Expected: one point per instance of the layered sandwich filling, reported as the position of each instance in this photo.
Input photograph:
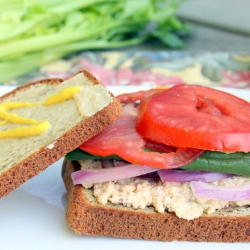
(176, 197)
(174, 131)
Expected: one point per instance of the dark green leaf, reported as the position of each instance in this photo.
(79, 154)
(234, 163)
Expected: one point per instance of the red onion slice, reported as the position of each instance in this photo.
(130, 109)
(186, 176)
(108, 164)
(226, 193)
(89, 176)
(121, 163)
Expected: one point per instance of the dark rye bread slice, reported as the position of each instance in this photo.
(23, 158)
(85, 216)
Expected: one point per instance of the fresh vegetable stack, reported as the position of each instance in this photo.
(186, 133)
(36, 32)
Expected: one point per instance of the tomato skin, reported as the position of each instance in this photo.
(159, 147)
(196, 117)
(137, 96)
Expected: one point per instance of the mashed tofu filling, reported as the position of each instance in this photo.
(176, 197)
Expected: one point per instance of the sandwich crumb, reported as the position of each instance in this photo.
(51, 145)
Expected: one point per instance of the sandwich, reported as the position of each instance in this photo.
(175, 165)
(40, 122)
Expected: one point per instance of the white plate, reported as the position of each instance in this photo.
(33, 216)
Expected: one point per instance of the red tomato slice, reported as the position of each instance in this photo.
(120, 138)
(159, 147)
(137, 96)
(196, 117)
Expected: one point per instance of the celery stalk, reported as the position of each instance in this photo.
(46, 41)
(29, 62)
(36, 32)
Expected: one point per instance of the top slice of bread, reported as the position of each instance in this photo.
(23, 158)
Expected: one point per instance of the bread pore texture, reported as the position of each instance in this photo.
(72, 122)
(85, 215)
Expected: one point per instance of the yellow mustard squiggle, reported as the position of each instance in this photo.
(63, 95)
(39, 127)
(14, 118)
(25, 131)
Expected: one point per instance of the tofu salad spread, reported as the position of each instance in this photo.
(176, 197)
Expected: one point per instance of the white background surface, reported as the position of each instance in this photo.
(33, 216)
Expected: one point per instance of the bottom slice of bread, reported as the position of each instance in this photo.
(86, 216)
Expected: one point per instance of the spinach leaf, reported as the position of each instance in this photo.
(234, 163)
(79, 154)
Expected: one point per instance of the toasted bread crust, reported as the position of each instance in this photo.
(70, 140)
(86, 216)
